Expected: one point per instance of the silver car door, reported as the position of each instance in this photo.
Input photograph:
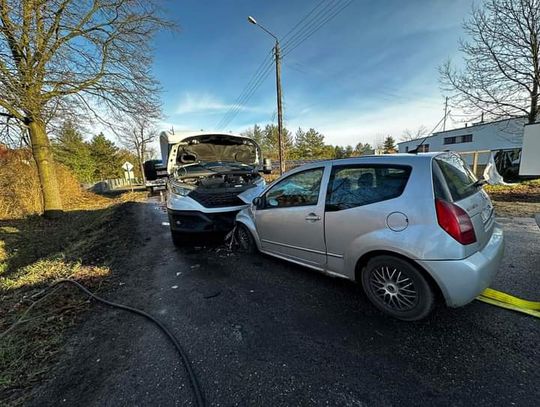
(359, 200)
(290, 221)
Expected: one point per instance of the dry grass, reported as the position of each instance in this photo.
(516, 200)
(20, 193)
(34, 252)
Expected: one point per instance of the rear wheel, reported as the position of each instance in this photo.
(245, 239)
(397, 288)
(179, 239)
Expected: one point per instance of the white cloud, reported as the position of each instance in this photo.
(205, 103)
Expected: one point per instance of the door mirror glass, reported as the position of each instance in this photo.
(273, 202)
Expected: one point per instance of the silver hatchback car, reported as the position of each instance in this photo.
(410, 228)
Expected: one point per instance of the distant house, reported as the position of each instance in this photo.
(502, 135)
(493, 136)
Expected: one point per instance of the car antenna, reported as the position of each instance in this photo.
(415, 151)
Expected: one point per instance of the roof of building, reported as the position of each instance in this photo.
(474, 125)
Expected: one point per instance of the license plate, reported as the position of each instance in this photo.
(161, 172)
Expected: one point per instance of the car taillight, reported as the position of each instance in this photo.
(455, 221)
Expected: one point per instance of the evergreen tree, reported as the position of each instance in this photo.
(310, 144)
(270, 145)
(105, 156)
(70, 149)
(339, 152)
(328, 152)
(389, 146)
(255, 133)
(363, 149)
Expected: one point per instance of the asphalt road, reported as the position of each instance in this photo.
(260, 331)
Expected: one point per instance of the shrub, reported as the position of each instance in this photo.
(20, 192)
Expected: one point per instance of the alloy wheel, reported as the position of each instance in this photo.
(393, 288)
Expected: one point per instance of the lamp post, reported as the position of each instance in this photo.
(278, 88)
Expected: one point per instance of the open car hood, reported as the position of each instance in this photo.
(208, 148)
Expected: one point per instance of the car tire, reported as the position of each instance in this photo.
(244, 239)
(397, 288)
(179, 239)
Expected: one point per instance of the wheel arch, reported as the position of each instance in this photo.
(366, 257)
(247, 221)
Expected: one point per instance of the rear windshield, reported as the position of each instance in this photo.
(457, 175)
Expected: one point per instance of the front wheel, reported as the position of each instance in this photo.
(244, 238)
(397, 288)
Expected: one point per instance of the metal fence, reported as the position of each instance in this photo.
(113, 184)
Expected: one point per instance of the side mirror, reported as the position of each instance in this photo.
(257, 202)
(267, 166)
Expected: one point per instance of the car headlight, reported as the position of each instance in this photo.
(179, 190)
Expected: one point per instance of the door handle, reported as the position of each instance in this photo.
(313, 217)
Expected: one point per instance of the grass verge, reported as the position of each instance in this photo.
(34, 252)
(516, 200)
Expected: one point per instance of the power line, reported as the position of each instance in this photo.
(248, 92)
(314, 21)
(267, 61)
(302, 19)
(310, 19)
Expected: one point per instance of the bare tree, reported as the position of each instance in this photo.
(66, 56)
(501, 76)
(136, 135)
(408, 134)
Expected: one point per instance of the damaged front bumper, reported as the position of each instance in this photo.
(199, 222)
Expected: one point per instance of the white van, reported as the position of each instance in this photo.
(207, 172)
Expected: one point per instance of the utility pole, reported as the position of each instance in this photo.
(282, 168)
(445, 113)
(278, 89)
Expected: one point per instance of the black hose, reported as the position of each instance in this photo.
(199, 399)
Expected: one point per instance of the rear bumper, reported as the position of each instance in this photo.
(461, 281)
(199, 222)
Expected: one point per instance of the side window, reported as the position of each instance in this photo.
(300, 189)
(352, 186)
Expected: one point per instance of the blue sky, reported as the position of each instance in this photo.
(369, 72)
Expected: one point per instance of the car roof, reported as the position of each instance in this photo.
(402, 158)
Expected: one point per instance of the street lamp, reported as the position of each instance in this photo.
(278, 88)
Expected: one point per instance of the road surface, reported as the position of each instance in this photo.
(260, 331)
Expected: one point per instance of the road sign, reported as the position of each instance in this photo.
(127, 166)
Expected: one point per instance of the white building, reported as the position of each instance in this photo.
(494, 136)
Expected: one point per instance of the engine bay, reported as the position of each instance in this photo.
(220, 180)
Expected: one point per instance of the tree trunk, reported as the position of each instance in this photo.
(41, 149)
(140, 158)
(533, 112)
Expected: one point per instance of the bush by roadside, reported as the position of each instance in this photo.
(20, 193)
